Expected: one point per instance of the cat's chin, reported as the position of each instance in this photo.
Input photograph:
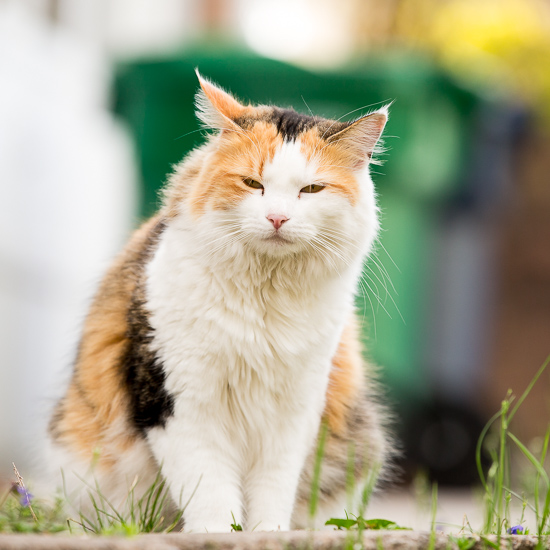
(277, 245)
(278, 240)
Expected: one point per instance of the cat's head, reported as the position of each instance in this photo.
(275, 182)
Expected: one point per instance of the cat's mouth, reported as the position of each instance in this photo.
(277, 238)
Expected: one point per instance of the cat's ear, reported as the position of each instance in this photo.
(217, 109)
(361, 138)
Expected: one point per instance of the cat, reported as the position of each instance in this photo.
(224, 336)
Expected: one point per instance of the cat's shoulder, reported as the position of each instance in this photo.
(128, 265)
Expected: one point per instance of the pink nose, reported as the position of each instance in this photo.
(277, 220)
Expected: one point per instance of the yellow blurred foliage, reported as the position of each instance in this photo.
(503, 43)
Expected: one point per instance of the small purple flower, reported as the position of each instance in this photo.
(26, 497)
(516, 530)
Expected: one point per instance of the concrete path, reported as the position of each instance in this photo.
(293, 540)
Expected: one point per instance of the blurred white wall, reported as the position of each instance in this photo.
(312, 33)
(67, 203)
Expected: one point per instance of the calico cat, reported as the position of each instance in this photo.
(225, 334)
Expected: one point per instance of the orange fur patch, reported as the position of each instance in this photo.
(346, 380)
(184, 178)
(240, 154)
(93, 413)
(223, 102)
(334, 165)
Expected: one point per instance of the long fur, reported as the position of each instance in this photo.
(218, 342)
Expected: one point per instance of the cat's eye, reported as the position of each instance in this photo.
(253, 183)
(312, 188)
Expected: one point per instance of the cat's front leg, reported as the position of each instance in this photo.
(201, 470)
(272, 482)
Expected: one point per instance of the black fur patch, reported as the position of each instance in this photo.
(150, 404)
(290, 124)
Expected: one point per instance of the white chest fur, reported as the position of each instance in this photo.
(268, 342)
(247, 360)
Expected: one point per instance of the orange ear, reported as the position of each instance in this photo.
(216, 108)
(361, 137)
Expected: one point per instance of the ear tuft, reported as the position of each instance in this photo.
(361, 138)
(216, 109)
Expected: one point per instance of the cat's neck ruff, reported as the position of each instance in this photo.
(181, 256)
(219, 256)
(260, 318)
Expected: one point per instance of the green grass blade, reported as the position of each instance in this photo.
(316, 480)
(545, 514)
(542, 521)
(490, 543)
(530, 457)
(368, 489)
(502, 465)
(431, 545)
(350, 476)
(99, 524)
(479, 445)
(545, 445)
(529, 388)
(519, 497)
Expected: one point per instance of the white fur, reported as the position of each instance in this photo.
(246, 325)
(134, 472)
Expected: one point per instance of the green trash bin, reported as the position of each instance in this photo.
(427, 137)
